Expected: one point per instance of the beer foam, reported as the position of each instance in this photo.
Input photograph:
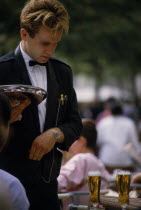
(123, 172)
(94, 173)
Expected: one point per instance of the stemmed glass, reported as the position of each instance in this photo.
(123, 185)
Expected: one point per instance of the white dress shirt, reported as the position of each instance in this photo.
(38, 77)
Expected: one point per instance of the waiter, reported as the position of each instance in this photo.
(34, 150)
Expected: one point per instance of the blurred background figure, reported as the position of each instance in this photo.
(12, 193)
(92, 109)
(106, 109)
(114, 133)
(130, 109)
(74, 172)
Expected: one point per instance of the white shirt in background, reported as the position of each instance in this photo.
(114, 132)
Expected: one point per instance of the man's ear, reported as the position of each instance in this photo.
(24, 34)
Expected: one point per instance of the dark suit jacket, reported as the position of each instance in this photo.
(15, 157)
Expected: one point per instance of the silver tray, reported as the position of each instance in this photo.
(36, 94)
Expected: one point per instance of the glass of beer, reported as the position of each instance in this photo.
(123, 185)
(94, 181)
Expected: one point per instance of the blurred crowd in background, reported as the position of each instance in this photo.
(116, 146)
(98, 109)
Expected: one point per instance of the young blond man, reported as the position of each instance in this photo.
(33, 153)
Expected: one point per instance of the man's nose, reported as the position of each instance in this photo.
(50, 50)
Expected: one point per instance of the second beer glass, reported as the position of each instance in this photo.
(94, 181)
(123, 185)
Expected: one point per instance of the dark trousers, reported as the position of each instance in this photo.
(42, 195)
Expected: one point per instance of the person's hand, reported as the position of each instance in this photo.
(18, 103)
(42, 145)
(136, 178)
(16, 111)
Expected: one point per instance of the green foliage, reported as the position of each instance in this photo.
(107, 31)
(9, 24)
(104, 37)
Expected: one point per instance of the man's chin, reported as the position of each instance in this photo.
(44, 60)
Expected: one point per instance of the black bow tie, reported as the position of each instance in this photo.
(33, 63)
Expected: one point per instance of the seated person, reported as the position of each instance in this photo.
(14, 195)
(73, 173)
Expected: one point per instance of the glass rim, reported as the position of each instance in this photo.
(123, 172)
(94, 173)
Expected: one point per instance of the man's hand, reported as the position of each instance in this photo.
(42, 145)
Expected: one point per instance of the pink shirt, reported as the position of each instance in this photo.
(73, 174)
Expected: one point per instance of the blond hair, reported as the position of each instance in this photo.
(50, 13)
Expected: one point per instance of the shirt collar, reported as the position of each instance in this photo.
(26, 57)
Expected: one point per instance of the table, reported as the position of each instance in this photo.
(111, 203)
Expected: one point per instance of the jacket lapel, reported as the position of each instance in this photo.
(22, 67)
(52, 97)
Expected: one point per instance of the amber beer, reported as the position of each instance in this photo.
(123, 185)
(94, 181)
